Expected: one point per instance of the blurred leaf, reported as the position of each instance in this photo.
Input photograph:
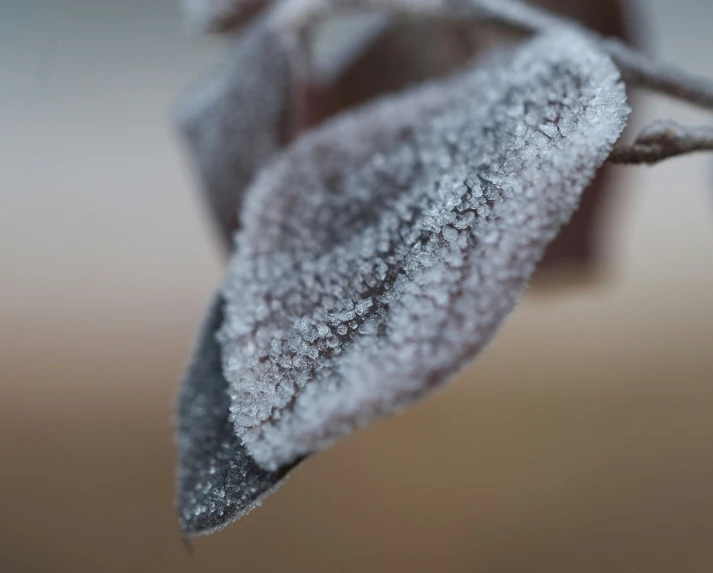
(236, 119)
(220, 15)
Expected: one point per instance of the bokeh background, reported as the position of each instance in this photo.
(581, 441)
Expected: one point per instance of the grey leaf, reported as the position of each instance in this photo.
(381, 252)
(234, 120)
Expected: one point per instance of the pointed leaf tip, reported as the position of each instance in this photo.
(218, 481)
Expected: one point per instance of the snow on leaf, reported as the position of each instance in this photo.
(381, 252)
(233, 121)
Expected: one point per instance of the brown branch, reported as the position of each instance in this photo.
(637, 68)
(662, 140)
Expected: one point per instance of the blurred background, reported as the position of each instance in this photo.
(581, 441)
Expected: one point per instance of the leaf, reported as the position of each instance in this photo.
(403, 53)
(409, 51)
(381, 252)
(235, 120)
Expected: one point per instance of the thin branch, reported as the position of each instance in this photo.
(662, 140)
(637, 68)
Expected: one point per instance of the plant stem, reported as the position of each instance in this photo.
(662, 140)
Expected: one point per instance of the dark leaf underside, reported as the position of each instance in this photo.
(218, 481)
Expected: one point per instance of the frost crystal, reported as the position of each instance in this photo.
(233, 121)
(408, 228)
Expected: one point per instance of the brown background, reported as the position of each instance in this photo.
(581, 441)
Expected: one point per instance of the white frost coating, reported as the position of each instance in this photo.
(233, 120)
(381, 252)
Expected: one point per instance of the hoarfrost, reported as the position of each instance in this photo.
(378, 255)
(421, 218)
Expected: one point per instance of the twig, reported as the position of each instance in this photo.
(637, 68)
(662, 140)
(641, 70)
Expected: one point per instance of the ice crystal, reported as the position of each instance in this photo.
(381, 252)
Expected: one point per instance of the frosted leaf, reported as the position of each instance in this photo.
(220, 15)
(378, 255)
(433, 206)
(233, 121)
(218, 481)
